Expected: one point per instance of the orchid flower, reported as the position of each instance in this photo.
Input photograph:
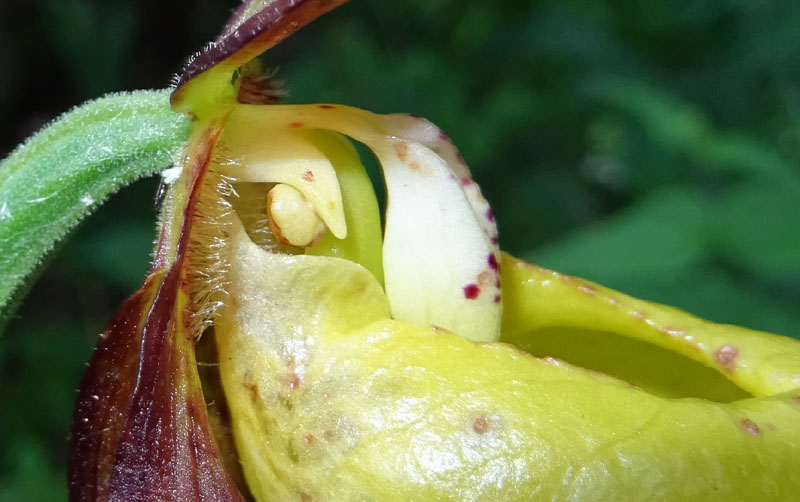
(292, 343)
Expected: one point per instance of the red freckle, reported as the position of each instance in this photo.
(497, 298)
(443, 136)
(495, 240)
(750, 427)
(460, 158)
(497, 283)
(296, 124)
(489, 215)
(493, 262)
(471, 291)
(480, 425)
(308, 176)
(327, 107)
(466, 181)
(726, 356)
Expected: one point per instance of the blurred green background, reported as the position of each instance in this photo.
(650, 146)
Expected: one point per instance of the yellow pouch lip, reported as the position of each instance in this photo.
(392, 410)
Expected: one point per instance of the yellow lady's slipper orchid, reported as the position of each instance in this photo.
(409, 362)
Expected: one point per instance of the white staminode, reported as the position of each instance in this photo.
(440, 242)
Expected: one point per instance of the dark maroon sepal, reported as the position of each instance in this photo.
(140, 431)
(254, 27)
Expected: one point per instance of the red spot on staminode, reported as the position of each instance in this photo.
(492, 260)
(750, 427)
(308, 176)
(489, 215)
(327, 107)
(471, 291)
(726, 356)
(295, 124)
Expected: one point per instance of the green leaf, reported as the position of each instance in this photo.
(663, 233)
(679, 127)
(757, 231)
(58, 176)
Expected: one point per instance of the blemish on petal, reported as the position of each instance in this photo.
(671, 331)
(726, 356)
(492, 260)
(250, 387)
(308, 176)
(481, 425)
(638, 315)
(486, 278)
(401, 148)
(425, 171)
(292, 380)
(472, 291)
(749, 427)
